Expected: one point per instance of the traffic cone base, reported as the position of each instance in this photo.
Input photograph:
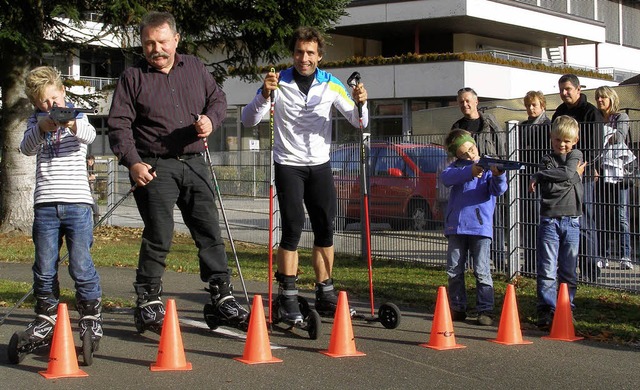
(442, 334)
(171, 355)
(257, 349)
(509, 332)
(562, 326)
(342, 342)
(63, 361)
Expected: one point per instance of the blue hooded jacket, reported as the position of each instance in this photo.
(472, 200)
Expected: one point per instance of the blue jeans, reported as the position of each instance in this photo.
(615, 220)
(74, 222)
(477, 250)
(558, 243)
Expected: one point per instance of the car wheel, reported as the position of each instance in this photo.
(420, 218)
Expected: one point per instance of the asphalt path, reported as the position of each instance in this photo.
(394, 358)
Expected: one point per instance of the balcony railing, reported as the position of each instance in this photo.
(96, 82)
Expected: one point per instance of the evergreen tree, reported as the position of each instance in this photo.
(240, 34)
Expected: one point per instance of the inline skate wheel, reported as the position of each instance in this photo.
(15, 351)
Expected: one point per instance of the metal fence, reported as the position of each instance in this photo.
(407, 206)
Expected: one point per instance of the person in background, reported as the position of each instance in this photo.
(533, 143)
(575, 105)
(613, 187)
(91, 176)
(490, 141)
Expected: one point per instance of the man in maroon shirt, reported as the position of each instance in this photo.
(151, 124)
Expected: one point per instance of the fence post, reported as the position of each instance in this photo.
(513, 200)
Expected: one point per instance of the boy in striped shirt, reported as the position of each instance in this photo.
(62, 206)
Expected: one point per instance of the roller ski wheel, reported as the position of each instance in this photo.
(311, 322)
(18, 347)
(389, 315)
(89, 346)
(213, 321)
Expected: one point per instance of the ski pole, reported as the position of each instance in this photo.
(271, 198)
(224, 216)
(104, 218)
(353, 82)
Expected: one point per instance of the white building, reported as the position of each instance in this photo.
(597, 35)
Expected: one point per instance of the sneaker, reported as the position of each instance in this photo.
(485, 318)
(626, 263)
(458, 315)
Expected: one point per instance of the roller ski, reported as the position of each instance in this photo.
(224, 310)
(293, 310)
(90, 324)
(149, 312)
(39, 333)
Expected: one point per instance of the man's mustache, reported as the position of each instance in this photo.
(159, 55)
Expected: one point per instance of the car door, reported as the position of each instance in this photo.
(390, 183)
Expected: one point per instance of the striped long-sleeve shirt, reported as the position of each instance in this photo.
(61, 168)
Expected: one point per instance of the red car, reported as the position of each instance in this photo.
(402, 183)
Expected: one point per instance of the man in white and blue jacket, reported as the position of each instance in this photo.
(303, 98)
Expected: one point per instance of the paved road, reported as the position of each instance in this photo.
(394, 359)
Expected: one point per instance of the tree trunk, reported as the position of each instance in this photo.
(17, 171)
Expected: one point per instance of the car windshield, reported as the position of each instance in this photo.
(428, 159)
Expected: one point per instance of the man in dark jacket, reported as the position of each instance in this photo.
(575, 105)
(491, 141)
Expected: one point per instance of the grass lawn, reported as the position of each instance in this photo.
(602, 314)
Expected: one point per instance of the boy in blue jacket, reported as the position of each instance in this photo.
(469, 224)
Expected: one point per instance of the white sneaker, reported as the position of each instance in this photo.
(626, 263)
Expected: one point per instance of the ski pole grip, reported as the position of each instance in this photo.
(272, 93)
(353, 82)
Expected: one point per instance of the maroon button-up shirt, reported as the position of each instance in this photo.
(152, 113)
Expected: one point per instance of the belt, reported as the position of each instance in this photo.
(179, 157)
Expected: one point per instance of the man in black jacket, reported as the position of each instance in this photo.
(575, 105)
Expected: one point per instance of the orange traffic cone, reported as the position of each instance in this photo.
(257, 348)
(442, 336)
(63, 361)
(562, 325)
(342, 342)
(171, 351)
(509, 332)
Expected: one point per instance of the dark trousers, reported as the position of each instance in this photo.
(186, 183)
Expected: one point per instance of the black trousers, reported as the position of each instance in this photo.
(184, 182)
(311, 187)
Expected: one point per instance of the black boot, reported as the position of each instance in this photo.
(287, 300)
(225, 307)
(41, 328)
(149, 311)
(90, 318)
(326, 298)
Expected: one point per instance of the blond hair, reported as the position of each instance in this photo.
(608, 92)
(39, 79)
(565, 127)
(531, 95)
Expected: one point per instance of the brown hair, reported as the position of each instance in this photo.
(307, 34)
